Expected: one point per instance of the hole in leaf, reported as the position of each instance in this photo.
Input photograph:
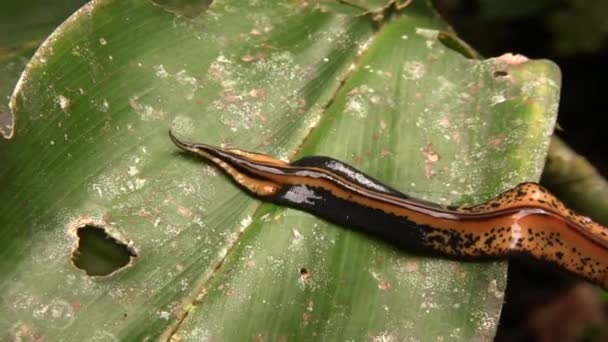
(98, 253)
(500, 73)
(304, 274)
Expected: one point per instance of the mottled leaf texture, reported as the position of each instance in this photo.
(383, 86)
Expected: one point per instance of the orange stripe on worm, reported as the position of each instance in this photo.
(524, 221)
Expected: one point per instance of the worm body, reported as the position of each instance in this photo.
(524, 221)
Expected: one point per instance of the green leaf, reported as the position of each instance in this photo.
(379, 91)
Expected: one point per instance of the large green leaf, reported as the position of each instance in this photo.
(380, 91)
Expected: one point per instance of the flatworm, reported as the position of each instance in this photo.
(525, 221)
